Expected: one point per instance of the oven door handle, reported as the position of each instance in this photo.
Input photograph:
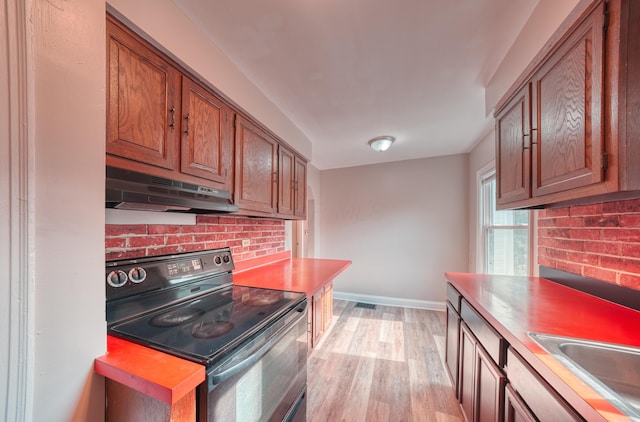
(221, 374)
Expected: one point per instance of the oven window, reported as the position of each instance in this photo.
(267, 389)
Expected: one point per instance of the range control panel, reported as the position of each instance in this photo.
(136, 276)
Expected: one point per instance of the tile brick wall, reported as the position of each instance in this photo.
(266, 237)
(600, 241)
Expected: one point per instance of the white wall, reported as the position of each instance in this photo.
(313, 212)
(170, 30)
(543, 22)
(403, 224)
(67, 123)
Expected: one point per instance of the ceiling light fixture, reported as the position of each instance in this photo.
(381, 143)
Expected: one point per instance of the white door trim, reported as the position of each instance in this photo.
(16, 212)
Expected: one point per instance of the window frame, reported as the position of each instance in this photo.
(485, 173)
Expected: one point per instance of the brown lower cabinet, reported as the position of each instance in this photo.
(320, 314)
(515, 410)
(493, 382)
(481, 381)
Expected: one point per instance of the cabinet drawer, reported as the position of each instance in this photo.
(543, 401)
(453, 297)
(493, 343)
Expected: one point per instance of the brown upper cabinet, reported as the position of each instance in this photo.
(163, 121)
(563, 133)
(142, 102)
(207, 135)
(292, 182)
(300, 188)
(159, 120)
(270, 178)
(286, 180)
(256, 169)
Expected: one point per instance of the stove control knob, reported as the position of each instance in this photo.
(226, 258)
(137, 274)
(117, 278)
(217, 260)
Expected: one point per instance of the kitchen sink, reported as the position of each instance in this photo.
(610, 369)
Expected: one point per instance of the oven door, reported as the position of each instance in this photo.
(265, 380)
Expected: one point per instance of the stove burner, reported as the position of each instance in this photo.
(210, 329)
(176, 317)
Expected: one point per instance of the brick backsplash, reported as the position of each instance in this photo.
(266, 237)
(600, 241)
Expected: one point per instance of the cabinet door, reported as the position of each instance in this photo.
(142, 106)
(300, 188)
(489, 389)
(568, 112)
(327, 299)
(207, 135)
(256, 168)
(286, 179)
(467, 372)
(453, 340)
(514, 408)
(318, 312)
(513, 158)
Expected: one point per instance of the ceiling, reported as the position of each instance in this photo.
(345, 71)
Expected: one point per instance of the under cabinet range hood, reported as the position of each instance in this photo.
(129, 190)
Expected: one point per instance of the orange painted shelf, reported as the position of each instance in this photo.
(156, 374)
(515, 306)
(294, 274)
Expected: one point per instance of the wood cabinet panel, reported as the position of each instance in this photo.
(489, 388)
(568, 112)
(493, 343)
(451, 345)
(126, 404)
(327, 300)
(256, 168)
(515, 410)
(207, 135)
(513, 168)
(300, 188)
(322, 313)
(481, 381)
(142, 102)
(286, 180)
(466, 372)
(318, 311)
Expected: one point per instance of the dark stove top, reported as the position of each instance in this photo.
(204, 328)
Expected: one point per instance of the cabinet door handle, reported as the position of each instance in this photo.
(533, 141)
(524, 143)
(172, 124)
(275, 176)
(186, 121)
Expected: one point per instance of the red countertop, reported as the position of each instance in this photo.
(293, 274)
(159, 375)
(518, 305)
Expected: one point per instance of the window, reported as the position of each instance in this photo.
(505, 235)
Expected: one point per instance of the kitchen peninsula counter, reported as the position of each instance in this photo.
(304, 275)
(515, 306)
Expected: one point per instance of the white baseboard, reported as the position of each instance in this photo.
(390, 301)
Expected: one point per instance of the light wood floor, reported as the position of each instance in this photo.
(381, 365)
